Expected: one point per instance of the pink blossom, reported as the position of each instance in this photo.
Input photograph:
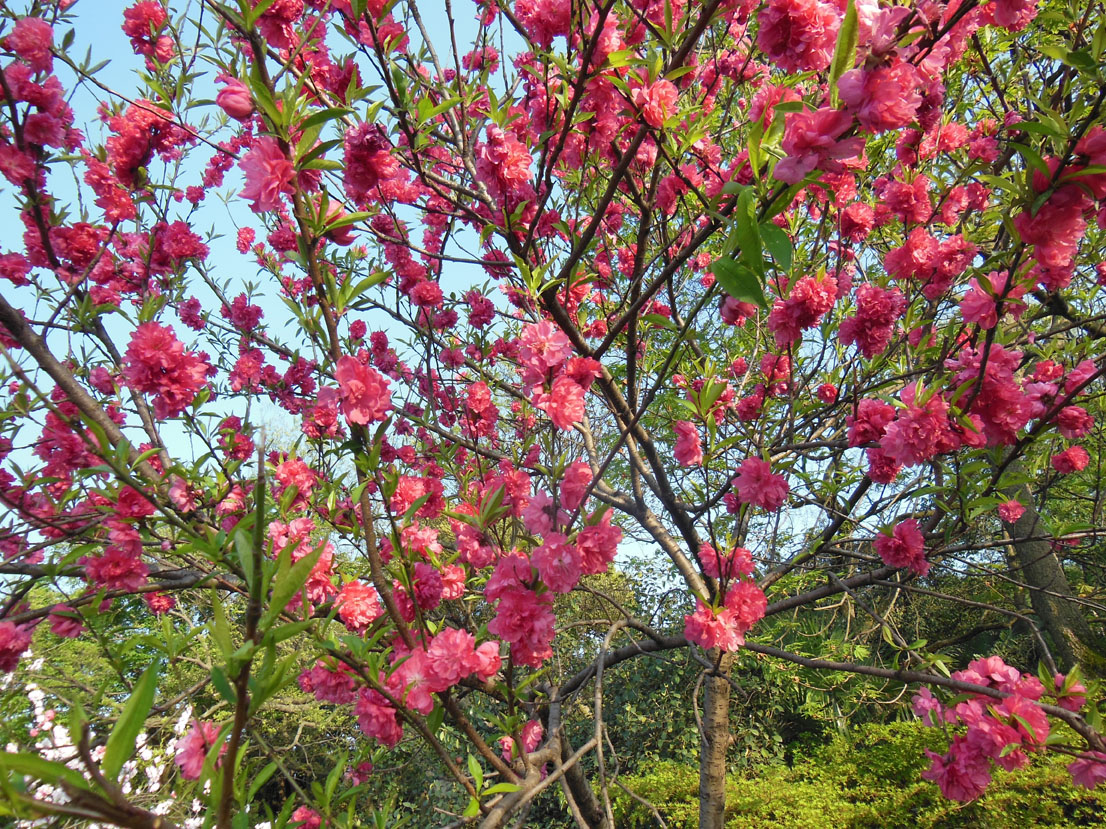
(905, 547)
(689, 450)
(735, 312)
(235, 99)
(31, 38)
(337, 684)
(305, 817)
(738, 561)
(192, 749)
(115, 570)
(181, 494)
(1089, 769)
(156, 363)
(1071, 699)
(14, 640)
(725, 628)
(1074, 422)
(543, 347)
(487, 660)
(377, 718)
(142, 23)
(856, 221)
(598, 544)
(757, 484)
(558, 563)
(525, 620)
(358, 605)
(1013, 15)
(368, 162)
(1079, 375)
(65, 621)
(885, 97)
(1056, 228)
(451, 657)
(919, 431)
(411, 681)
(811, 142)
(503, 166)
(544, 20)
(1027, 717)
(882, 468)
(577, 479)
(962, 774)
(657, 102)
(268, 175)
(808, 301)
(1010, 511)
(1072, 459)
(564, 403)
(532, 733)
(364, 391)
(798, 35)
(927, 707)
(870, 421)
(427, 585)
(981, 306)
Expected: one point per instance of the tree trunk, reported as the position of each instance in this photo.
(1050, 594)
(579, 790)
(714, 741)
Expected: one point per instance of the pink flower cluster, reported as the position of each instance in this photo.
(192, 749)
(756, 484)
(999, 730)
(557, 381)
(877, 311)
(725, 627)
(363, 391)
(812, 140)
(689, 449)
(798, 35)
(809, 299)
(904, 547)
(156, 363)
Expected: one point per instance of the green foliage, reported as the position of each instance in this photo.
(869, 778)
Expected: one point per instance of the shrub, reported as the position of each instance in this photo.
(868, 778)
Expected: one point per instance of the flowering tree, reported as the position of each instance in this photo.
(803, 295)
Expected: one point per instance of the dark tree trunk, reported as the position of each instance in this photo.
(1050, 594)
(579, 789)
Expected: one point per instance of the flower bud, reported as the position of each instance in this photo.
(235, 100)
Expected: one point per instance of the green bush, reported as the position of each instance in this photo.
(870, 778)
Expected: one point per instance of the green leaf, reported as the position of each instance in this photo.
(476, 772)
(473, 809)
(844, 53)
(323, 116)
(778, 245)
(44, 770)
(279, 634)
(222, 685)
(243, 546)
(738, 281)
(748, 231)
(220, 630)
(505, 788)
(260, 780)
(1032, 158)
(120, 743)
(288, 585)
(427, 112)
